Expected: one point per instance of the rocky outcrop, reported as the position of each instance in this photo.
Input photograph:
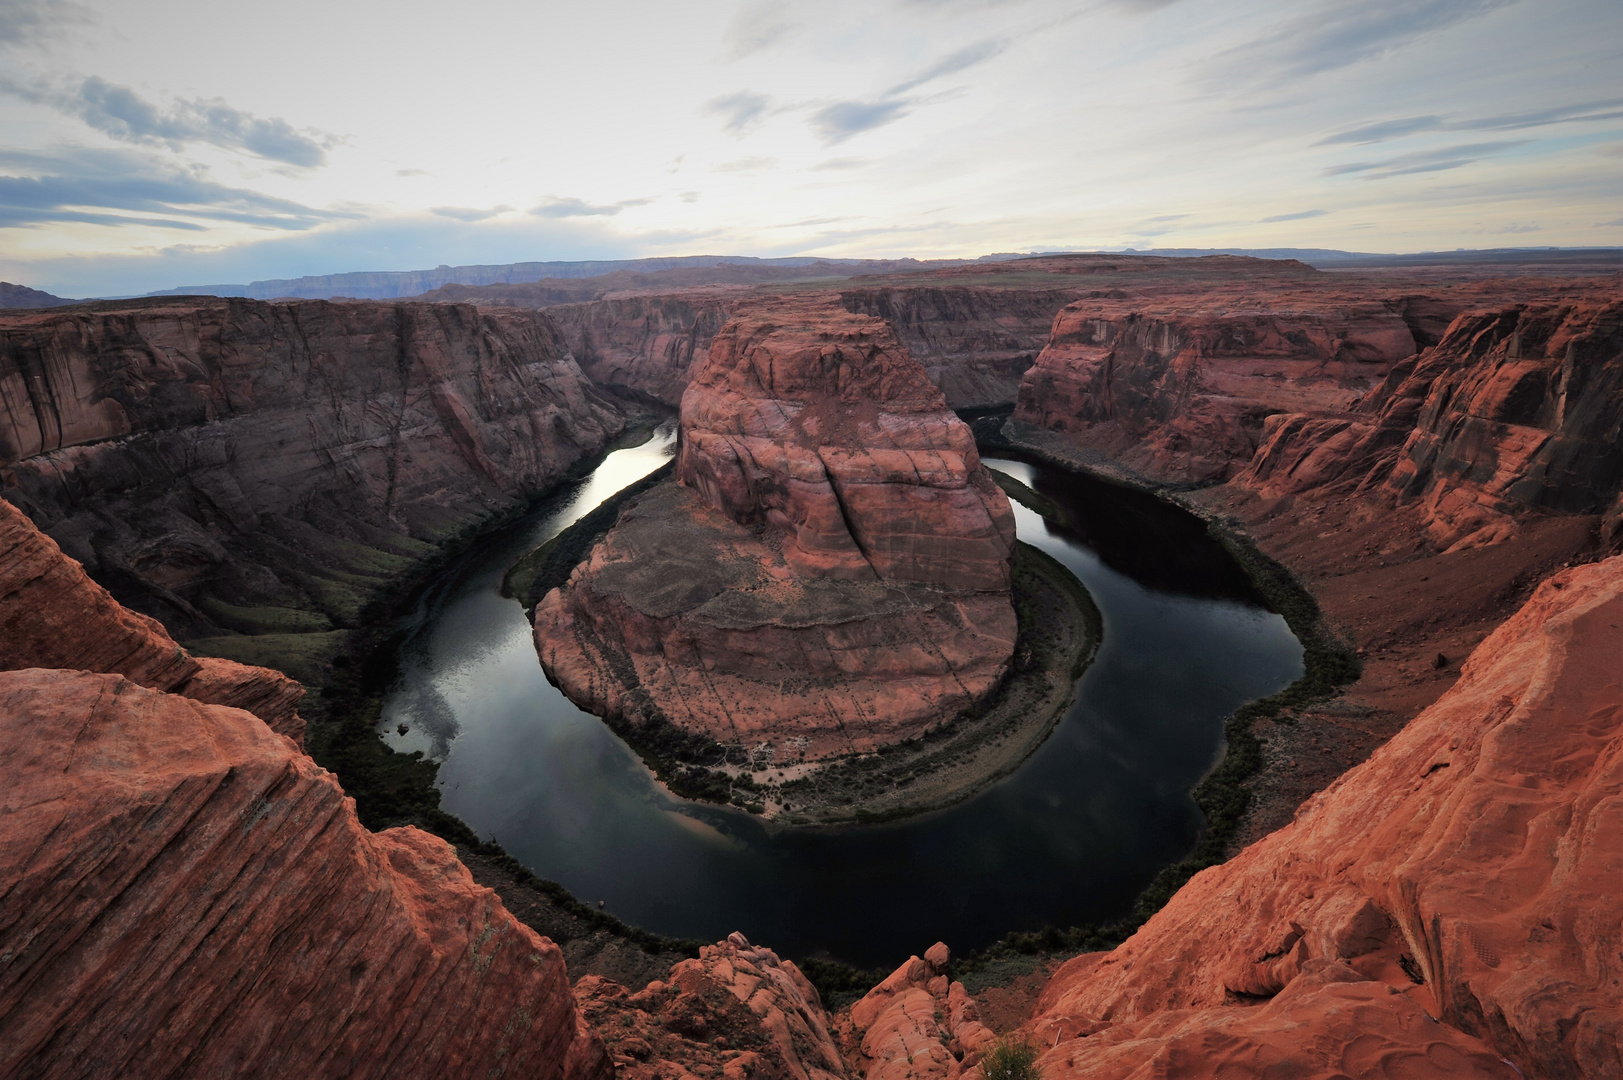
(832, 576)
(737, 1010)
(53, 616)
(186, 895)
(231, 464)
(916, 1025)
(1514, 411)
(1178, 390)
(1467, 871)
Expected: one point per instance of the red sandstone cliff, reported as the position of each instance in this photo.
(53, 616)
(186, 895)
(1478, 850)
(647, 343)
(833, 575)
(237, 463)
(1514, 411)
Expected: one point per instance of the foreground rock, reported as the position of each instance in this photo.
(737, 1010)
(832, 576)
(916, 1025)
(186, 895)
(1467, 871)
(53, 616)
(233, 465)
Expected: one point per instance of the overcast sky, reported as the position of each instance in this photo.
(147, 144)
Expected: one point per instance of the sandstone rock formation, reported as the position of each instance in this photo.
(833, 575)
(53, 616)
(1514, 411)
(647, 343)
(1468, 871)
(738, 1010)
(916, 1025)
(251, 466)
(187, 895)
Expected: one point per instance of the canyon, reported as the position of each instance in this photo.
(1425, 882)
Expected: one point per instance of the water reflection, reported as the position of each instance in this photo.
(1072, 836)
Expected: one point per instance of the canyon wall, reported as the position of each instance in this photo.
(266, 466)
(1179, 391)
(1514, 411)
(646, 343)
(832, 575)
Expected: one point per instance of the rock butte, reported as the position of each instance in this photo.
(833, 573)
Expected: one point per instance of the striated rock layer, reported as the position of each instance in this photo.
(1514, 411)
(833, 574)
(1468, 870)
(264, 466)
(186, 895)
(53, 616)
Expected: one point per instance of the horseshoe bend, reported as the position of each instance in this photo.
(1303, 588)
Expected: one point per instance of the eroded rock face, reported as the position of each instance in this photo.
(737, 1010)
(187, 895)
(53, 616)
(1178, 389)
(648, 343)
(832, 576)
(1476, 852)
(212, 460)
(1513, 411)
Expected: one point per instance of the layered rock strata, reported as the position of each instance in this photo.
(1467, 871)
(1179, 391)
(187, 895)
(238, 465)
(53, 616)
(833, 573)
(1514, 411)
(916, 1025)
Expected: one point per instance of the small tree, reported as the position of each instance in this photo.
(1011, 1058)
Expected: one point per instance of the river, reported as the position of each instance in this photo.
(1070, 837)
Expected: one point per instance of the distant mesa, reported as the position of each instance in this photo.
(21, 296)
(830, 574)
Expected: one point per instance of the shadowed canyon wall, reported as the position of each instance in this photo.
(265, 466)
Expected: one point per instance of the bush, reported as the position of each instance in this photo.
(1010, 1059)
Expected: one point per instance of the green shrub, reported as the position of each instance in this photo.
(1010, 1058)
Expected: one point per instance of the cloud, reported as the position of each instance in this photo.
(839, 163)
(115, 187)
(1515, 228)
(1338, 33)
(122, 114)
(33, 22)
(756, 26)
(838, 122)
(951, 64)
(411, 172)
(1424, 161)
(742, 111)
(1587, 112)
(462, 213)
(572, 207)
(749, 164)
(1610, 224)
(1298, 216)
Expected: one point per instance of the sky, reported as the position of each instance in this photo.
(148, 144)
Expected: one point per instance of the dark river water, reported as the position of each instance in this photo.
(1071, 837)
